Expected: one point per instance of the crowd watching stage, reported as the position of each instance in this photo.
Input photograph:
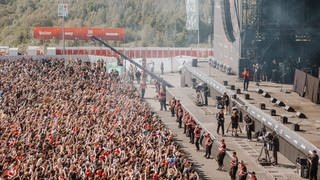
(74, 120)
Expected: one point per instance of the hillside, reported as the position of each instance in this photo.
(147, 22)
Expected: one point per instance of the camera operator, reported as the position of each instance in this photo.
(313, 160)
(226, 102)
(249, 126)
(275, 147)
(220, 119)
(234, 123)
(199, 89)
(205, 93)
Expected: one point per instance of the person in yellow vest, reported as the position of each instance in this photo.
(233, 166)
(242, 171)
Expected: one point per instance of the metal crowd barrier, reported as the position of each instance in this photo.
(284, 132)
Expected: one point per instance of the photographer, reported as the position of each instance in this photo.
(249, 126)
(205, 93)
(226, 102)
(220, 119)
(199, 89)
(275, 147)
(234, 123)
(313, 160)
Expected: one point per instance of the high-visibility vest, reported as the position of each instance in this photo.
(197, 133)
(243, 170)
(252, 177)
(234, 161)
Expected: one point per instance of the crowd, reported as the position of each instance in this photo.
(74, 120)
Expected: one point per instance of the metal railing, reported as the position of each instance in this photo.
(284, 132)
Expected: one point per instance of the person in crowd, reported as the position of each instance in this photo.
(243, 173)
(197, 135)
(205, 93)
(246, 79)
(143, 86)
(208, 145)
(233, 166)
(221, 154)
(234, 123)
(249, 126)
(173, 103)
(313, 160)
(77, 121)
(226, 102)
(220, 120)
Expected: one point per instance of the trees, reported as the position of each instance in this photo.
(148, 22)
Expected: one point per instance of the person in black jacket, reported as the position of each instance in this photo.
(314, 160)
(275, 147)
(205, 93)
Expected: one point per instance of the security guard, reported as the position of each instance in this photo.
(233, 166)
(242, 171)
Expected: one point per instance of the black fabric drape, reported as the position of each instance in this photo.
(299, 82)
(313, 88)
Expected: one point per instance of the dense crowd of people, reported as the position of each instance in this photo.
(74, 120)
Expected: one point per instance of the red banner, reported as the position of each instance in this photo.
(49, 33)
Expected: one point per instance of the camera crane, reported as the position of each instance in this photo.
(93, 38)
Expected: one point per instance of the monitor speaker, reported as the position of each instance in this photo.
(296, 127)
(284, 119)
(273, 112)
(289, 109)
(265, 94)
(300, 115)
(280, 103)
(260, 91)
(273, 100)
